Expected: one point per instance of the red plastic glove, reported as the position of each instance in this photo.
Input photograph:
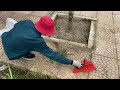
(87, 67)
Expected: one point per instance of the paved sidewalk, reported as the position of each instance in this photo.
(106, 55)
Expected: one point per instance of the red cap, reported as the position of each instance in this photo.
(45, 25)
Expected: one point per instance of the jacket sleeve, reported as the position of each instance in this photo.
(48, 52)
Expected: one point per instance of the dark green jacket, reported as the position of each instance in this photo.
(24, 38)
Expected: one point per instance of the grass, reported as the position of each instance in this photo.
(15, 73)
(9, 74)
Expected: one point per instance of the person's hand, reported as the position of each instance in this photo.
(77, 64)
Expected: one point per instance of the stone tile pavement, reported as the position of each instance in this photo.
(106, 55)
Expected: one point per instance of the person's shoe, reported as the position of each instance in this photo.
(29, 56)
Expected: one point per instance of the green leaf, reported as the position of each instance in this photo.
(10, 72)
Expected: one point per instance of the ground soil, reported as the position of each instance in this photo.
(79, 32)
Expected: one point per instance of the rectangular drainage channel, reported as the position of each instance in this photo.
(90, 41)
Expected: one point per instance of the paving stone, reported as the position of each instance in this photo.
(105, 35)
(33, 18)
(118, 51)
(117, 27)
(116, 18)
(106, 68)
(41, 13)
(67, 71)
(117, 36)
(2, 25)
(19, 16)
(116, 12)
(6, 14)
(43, 64)
(119, 68)
(78, 55)
(107, 20)
(23, 12)
(1, 21)
(117, 32)
(80, 76)
(104, 13)
(105, 25)
(94, 77)
(107, 49)
(22, 63)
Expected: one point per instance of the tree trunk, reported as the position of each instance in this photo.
(70, 20)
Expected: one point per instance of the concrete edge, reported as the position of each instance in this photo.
(53, 17)
(77, 17)
(91, 35)
(64, 41)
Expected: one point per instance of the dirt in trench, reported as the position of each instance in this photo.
(79, 32)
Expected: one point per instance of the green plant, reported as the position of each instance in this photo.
(9, 75)
(63, 52)
(18, 73)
